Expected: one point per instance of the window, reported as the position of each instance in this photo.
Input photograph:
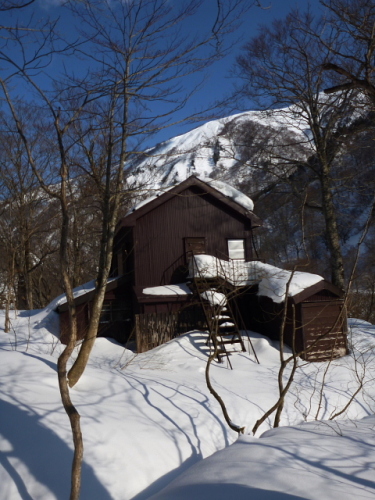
(236, 249)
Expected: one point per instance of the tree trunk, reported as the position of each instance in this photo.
(332, 234)
(74, 419)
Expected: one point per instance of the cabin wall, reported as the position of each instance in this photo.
(324, 330)
(159, 235)
(116, 320)
(123, 255)
(317, 324)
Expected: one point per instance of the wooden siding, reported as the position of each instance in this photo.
(154, 329)
(160, 234)
(323, 330)
(117, 320)
(317, 325)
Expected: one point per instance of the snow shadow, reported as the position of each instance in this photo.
(163, 481)
(222, 491)
(46, 456)
(291, 453)
(193, 439)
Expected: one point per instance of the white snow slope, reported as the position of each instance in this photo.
(212, 151)
(147, 418)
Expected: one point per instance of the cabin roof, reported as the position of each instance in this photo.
(225, 194)
(316, 288)
(84, 293)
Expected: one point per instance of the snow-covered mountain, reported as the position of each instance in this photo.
(221, 148)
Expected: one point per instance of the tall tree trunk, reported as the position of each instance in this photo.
(71, 411)
(332, 234)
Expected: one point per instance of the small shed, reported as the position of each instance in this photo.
(315, 324)
(116, 320)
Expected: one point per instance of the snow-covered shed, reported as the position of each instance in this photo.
(153, 244)
(315, 322)
(315, 319)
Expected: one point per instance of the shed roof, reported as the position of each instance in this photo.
(225, 194)
(84, 293)
(315, 289)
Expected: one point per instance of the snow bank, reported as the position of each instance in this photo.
(314, 461)
(272, 281)
(147, 418)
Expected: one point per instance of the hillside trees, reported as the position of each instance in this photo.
(283, 66)
(28, 220)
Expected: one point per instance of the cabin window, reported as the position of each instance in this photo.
(236, 249)
(114, 310)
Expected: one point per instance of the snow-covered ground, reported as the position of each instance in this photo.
(148, 418)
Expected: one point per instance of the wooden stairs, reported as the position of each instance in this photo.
(224, 333)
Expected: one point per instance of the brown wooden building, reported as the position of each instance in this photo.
(152, 248)
(315, 324)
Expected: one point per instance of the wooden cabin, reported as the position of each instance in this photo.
(315, 323)
(153, 246)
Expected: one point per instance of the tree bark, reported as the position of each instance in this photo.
(332, 233)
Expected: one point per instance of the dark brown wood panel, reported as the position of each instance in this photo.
(160, 234)
(323, 328)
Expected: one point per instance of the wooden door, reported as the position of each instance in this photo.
(195, 246)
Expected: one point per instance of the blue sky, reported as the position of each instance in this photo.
(219, 79)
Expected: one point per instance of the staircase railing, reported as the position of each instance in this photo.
(219, 272)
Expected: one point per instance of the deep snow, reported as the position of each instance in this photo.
(147, 418)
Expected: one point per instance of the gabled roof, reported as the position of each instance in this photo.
(163, 197)
(316, 288)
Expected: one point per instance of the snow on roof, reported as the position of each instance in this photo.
(220, 186)
(77, 292)
(230, 192)
(167, 290)
(272, 281)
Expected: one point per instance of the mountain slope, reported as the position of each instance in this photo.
(221, 148)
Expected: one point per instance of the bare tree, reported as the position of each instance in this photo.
(6, 5)
(352, 53)
(141, 57)
(283, 67)
(135, 58)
